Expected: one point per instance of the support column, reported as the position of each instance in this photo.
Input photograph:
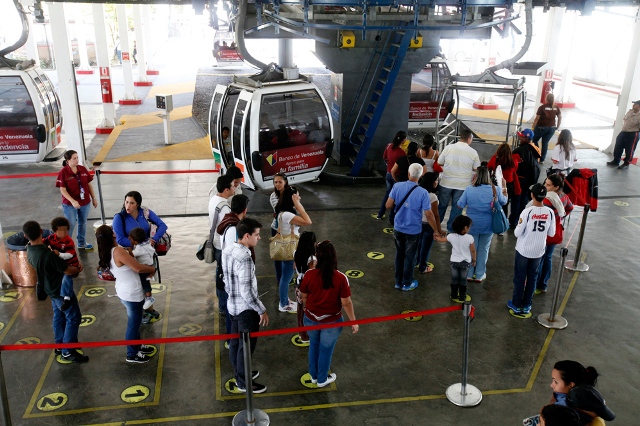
(140, 47)
(127, 72)
(84, 67)
(32, 44)
(631, 86)
(102, 56)
(552, 38)
(285, 53)
(66, 80)
(149, 45)
(563, 98)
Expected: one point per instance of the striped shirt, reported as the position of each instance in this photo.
(240, 280)
(458, 162)
(535, 224)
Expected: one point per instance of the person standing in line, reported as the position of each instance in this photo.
(413, 200)
(528, 172)
(508, 163)
(458, 161)
(325, 292)
(627, 139)
(75, 186)
(50, 270)
(429, 181)
(246, 310)
(564, 154)
(535, 224)
(63, 247)
(304, 260)
(428, 152)
(392, 153)
(218, 208)
(463, 255)
(401, 168)
(545, 124)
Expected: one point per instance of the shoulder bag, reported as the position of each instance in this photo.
(282, 247)
(164, 243)
(499, 222)
(397, 207)
(206, 250)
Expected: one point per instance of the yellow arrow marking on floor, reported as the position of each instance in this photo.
(135, 393)
(412, 319)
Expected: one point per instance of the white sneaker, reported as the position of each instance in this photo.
(290, 308)
(148, 302)
(330, 379)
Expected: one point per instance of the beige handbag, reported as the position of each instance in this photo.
(282, 247)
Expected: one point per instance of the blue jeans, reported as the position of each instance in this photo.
(283, 283)
(390, 182)
(67, 322)
(424, 246)
(482, 243)
(459, 273)
(544, 133)
(406, 248)
(134, 315)
(321, 345)
(245, 321)
(544, 270)
(446, 196)
(66, 290)
(525, 274)
(78, 216)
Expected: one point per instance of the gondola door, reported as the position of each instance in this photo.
(215, 127)
(241, 136)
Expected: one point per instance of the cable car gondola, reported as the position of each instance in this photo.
(279, 126)
(427, 89)
(224, 48)
(30, 114)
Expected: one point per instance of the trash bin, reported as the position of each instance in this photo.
(22, 273)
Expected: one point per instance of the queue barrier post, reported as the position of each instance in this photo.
(101, 222)
(464, 394)
(251, 416)
(575, 264)
(4, 398)
(551, 320)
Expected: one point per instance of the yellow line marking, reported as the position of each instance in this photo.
(34, 397)
(197, 149)
(173, 89)
(14, 317)
(631, 222)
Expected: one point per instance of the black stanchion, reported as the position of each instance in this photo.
(575, 264)
(251, 416)
(4, 398)
(551, 320)
(101, 222)
(464, 394)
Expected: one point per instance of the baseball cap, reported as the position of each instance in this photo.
(528, 133)
(539, 191)
(585, 397)
(636, 102)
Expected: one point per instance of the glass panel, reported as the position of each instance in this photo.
(16, 106)
(237, 127)
(422, 84)
(215, 105)
(46, 103)
(53, 97)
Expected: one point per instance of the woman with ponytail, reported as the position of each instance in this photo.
(392, 153)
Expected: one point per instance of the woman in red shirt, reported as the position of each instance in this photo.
(391, 154)
(325, 293)
(508, 162)
(74, 182)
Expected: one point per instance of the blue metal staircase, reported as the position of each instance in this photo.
(387, 70)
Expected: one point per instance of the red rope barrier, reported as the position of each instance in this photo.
(191, 339)
(156, 172)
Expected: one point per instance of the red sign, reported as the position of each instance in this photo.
(294, 160)
(18, 140)
(125, 56)
(419, 111)
(229, 55)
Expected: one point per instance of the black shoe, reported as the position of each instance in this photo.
(254, 374)
(612, 163)
(57, 352)
(257, 388)
(138, 358)
(623, 166)
(74, 356)
(147, 350)
(66, 304)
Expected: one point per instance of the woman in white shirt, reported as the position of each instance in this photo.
(288, 222)
(564, 154)
(126, 270)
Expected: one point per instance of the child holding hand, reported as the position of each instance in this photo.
(463, 255)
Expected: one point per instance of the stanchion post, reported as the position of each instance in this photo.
(102, 220)
(551, 320)
(4, 398)
(251, 416)
(575, 264)
(464, 394)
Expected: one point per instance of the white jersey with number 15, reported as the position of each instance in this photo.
(535, 224)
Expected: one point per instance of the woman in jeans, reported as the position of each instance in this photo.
(508, 163)
(304, 260)
(325, 293)
(478, 199)
(280, 182)
(428, 181)
(126, 270)
(391, 154)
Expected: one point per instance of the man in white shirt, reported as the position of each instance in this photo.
(218, 208)
(458, 162)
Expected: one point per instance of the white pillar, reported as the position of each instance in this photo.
(32, 44)
(149, 48)
(84, 67)
(631, 86)
(66, 80)
(552, 38)
(140, 47)
(127, 72)
(563, 96)
(102, 56)
(285, 53)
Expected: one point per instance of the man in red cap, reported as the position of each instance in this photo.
(627, 139)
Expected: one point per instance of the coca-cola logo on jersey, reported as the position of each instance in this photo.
(542, 216)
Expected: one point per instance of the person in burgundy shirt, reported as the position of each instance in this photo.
(74, 182)
(508, 162)
(391, 155)
(325, 292)
(547, 121)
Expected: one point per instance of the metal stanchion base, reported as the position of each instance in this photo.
(471, 399)
(558, 323)
(260, 418)
(99, 223)
(580, 267)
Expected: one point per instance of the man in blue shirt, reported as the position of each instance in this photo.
(413, 201)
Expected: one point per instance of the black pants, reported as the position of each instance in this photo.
(625, 141)
(245, 321)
